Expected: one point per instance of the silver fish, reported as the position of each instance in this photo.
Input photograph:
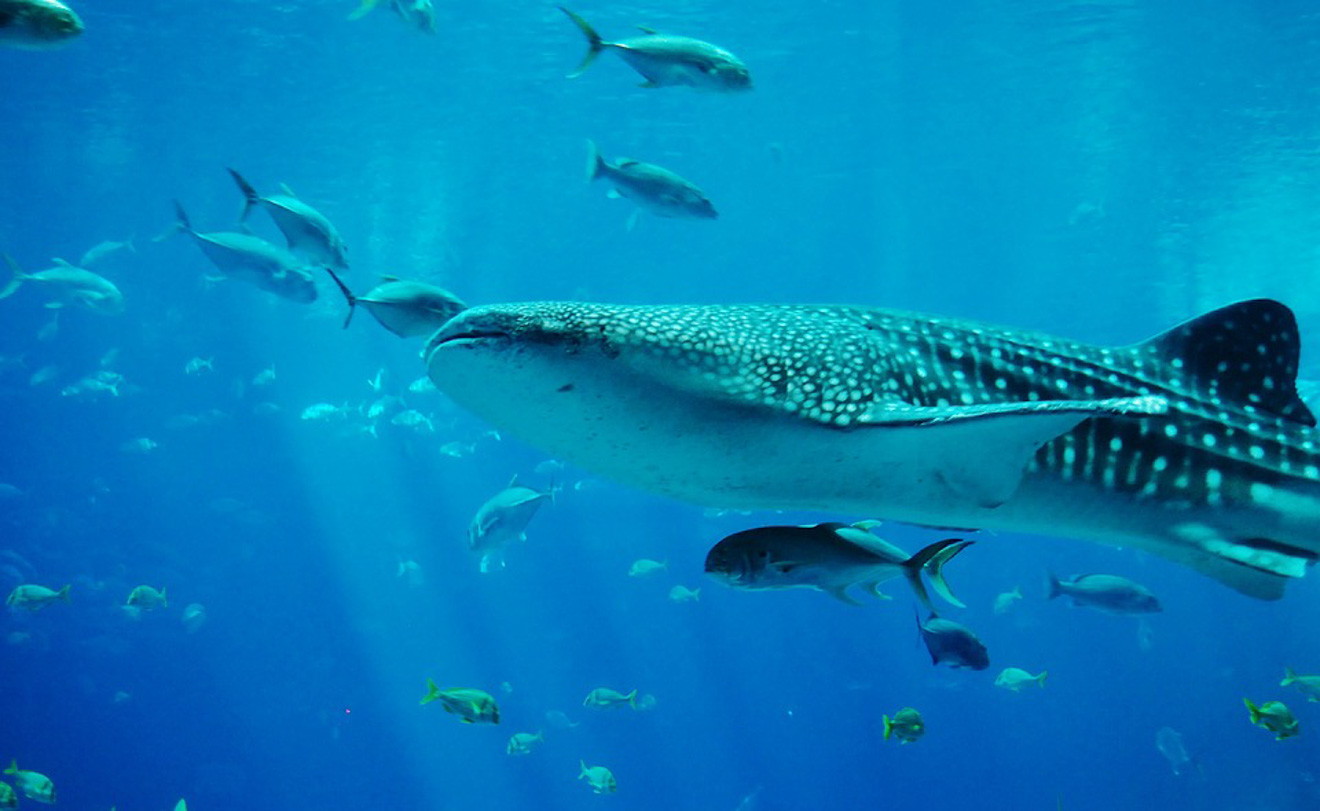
(250, 259)
(1107, 592)
(407, 309)
(101, 250)
(1169, 742)
(307, 231)
(37, 25)
(652, 187)
(68, 284)
(419, 14)
(668, 61)
(503, 519)
(1192, 444)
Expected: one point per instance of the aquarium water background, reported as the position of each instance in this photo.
(1099, 170)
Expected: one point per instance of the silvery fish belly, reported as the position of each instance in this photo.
(1193, 444)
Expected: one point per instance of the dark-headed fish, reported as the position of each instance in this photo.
(250, 259)
(669, 61)
(953, 644)
(1192, 445)
(1107, 592)
(829, 557)
(407, 309)
(37, 24)
(652, 187)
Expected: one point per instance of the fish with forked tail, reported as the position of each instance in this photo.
(668, 61)
(1192, 445)
(830, 557)
(250, 259)
(651, 187)
(307, 231)
(1106, 592)
(405, 308)
(67, 284)
(953, 644)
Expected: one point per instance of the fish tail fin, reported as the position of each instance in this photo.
(348, 296)
(363, 9)
(632, 698)
(13, 766)
(595, 163)
(1041, 678)
(128, 243)
(1289, 676)
(937, 555)
(250, 196)
(164, 601)
(889, 726)
(15, 281)
(582, 764)
(1253, 709)
(63, 593)
(1053, 589)
(594, 43)
(941, 554)
(181, 224)
(432, 692)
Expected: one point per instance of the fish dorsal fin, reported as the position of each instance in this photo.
(288, 192)
(63, 263)
(387, 278)
(647, 30)
(1246, 352)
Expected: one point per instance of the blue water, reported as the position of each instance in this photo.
(1100, 170)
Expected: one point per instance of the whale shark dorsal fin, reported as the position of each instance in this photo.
(980, 452)
(1246, 353)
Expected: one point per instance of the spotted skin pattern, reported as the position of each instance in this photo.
(1227, 480)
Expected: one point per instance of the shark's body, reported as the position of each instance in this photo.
(1193, 444)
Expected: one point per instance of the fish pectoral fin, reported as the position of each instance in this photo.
(980, 452)
(785, 566)
(647, 30)
(841, 594)
(1257, 567)
(649, 84)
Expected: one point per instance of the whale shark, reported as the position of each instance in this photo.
(1192, 444)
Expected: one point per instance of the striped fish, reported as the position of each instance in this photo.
(1193, 444)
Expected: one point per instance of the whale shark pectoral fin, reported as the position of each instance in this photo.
(980, 452)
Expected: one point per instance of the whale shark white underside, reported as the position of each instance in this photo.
(1193, 444)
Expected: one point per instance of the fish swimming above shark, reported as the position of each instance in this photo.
(1192, 444)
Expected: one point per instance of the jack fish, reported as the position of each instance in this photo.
(651, 187)
(37, 25)
(67, 284)
(407, 309)
(250, 259)
(668, 61)
(829, 557)
(307, 231)
(1193, 444)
